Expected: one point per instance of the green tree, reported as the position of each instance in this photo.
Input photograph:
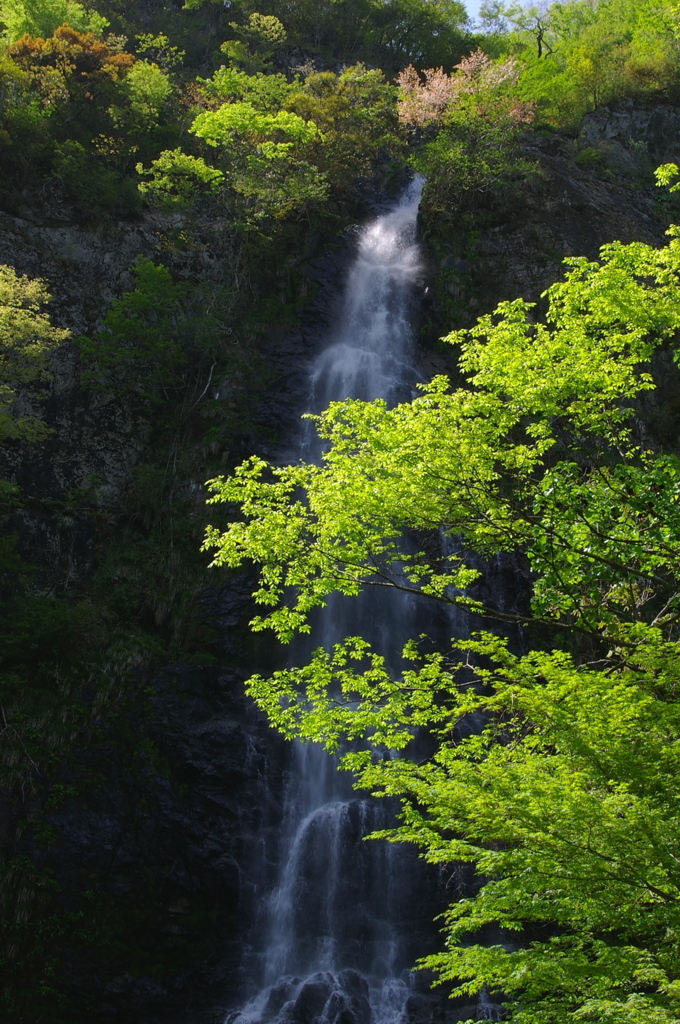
(42, 17)
(264, 157)
(157, 338)
(267, 93)
(75, 73)
(579, 55)
(492, 15)
(148, 88)
(26, 339)
(356, 112)
(353, 114)
(242, 120)
(159, 50)
(666, 174)
(386, 34)
(567, 802)
(176, 179)
(472, 123)
(80, 113)
(422, 32)
(255, 42)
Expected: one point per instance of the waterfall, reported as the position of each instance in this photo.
(336, 934)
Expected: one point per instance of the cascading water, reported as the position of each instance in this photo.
(336, 930)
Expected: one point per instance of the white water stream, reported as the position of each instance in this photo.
(334, 948)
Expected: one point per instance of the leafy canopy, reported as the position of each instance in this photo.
(140, 343)
(355, 111)
(566, 802)
(148, 88)
(280, 146)
(468, 124)
(383, 33)
(267, 93)
(176, 179)
(42, 17)
(486, 462)
(218, 127)
(579, 55)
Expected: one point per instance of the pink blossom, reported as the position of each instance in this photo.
(424, 101)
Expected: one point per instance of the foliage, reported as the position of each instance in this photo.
(262, 31)
(472, 123)
(665, 176)
(255, 42)
(26, 339)
(145, 334)
(60, 97)
(355, 110)
(93, 186)
(74, 101)
(566, 802)
(536, 390)
(421, 102)
(73, 56)
(388, 34)
(42, 17)
(176, 179)
(534, 456)
(148, 88)
(11, 80)
(425, 32)
(234, 120)
(80, 112)
(289, 141)
(267, 93)
(160, 51)
(262, 154)
(73, 75)
(580, 55)
(66, 86)
(492, 17)
(282, 145)
(39, 634)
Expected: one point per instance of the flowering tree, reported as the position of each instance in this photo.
(473, 119)
(478, 75)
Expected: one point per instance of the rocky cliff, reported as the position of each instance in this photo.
(584, 192)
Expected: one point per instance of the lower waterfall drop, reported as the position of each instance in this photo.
(334, 937)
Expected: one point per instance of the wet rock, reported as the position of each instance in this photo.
(280, 994)
(312, 999)
(337, 1011)
(356, 988)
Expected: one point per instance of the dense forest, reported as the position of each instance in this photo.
(222, 146)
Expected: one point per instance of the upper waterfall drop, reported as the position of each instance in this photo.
(333, 942)
(369, 355)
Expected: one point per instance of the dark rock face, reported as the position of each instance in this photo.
(512, 244)
(96, 440)
(633, 140)
(176, 795)
(178, 801)
(288, 356)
